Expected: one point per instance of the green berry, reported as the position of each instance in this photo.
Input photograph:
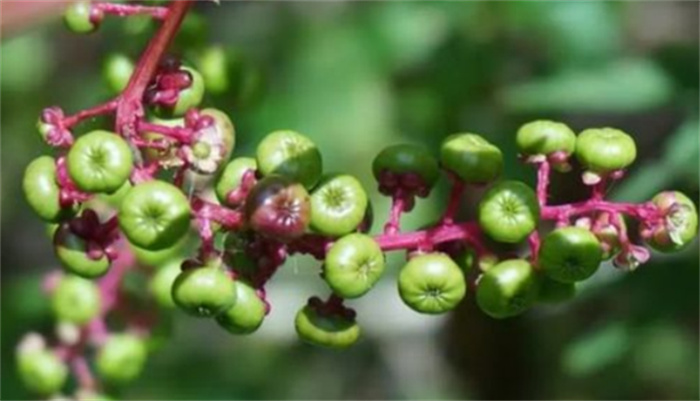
(331, 331)
(117, 72)
(42, 191)
(121, 358)
(100, 161)
(544, 137)
(509, 212)
(432, 283)
(189, 97)
(570, 254)
(679, 225)
(160, 257)
(154, 215)
(507, 289)
(72, 252)
(353, 265)
(247, 314)
(407, 159)
(42, 371)
(218, 68)
(292, 155)
(471, 157)
(161, 283)
(338, 205)
(604, 150)
(44, 130)
(204, 291)
(231, 178)
(75, 300)
(79, 17)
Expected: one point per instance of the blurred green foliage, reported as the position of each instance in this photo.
(356, 76)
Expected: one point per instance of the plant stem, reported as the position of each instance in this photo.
(642, 211)
(125, 10)
(82, 115)
(130, 107)
(543, 171)
(468, 232)
(458, 187)
(180, 134)
(398, 206)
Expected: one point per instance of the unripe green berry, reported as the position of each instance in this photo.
(509, 212)
(42, 191)
(100, 161)
(231, 177)
(75, 300)
(72, 252)
(42, 371)
(507, 289)
(121, 358)
(338, 205)
(154, 215)
(247, 314)
(216, 68)
(544, 137)
(79, 17)
(570, 254)
(117, 72)
(189, 97)
(161, 283)
(332, 331)
(353, 265)
(204, 291)
(471, 157)
(407, 159)
(604, 150)
(291, 155)
(432, 283)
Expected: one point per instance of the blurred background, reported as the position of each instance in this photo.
(357, 76)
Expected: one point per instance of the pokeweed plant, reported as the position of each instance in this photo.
(165, 155)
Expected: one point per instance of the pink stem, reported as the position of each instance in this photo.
(98, 110)
(273, 255)
(157, 144)
(642, 211)
(81, 369)
(125, 10)
(229, 219)
(468, 232)
(458, 187)
(617, 222)
(534, 243)
(98, 330)
(543, 171)
(398, 204)
(240, 193)
(180, 134)
(598, 190)
(130, 107)
(109, 284)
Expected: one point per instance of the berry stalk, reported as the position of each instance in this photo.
(126, 10)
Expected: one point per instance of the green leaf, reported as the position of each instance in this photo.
(595, 350)
(622, 86)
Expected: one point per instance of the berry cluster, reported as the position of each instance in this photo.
(166, 172)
